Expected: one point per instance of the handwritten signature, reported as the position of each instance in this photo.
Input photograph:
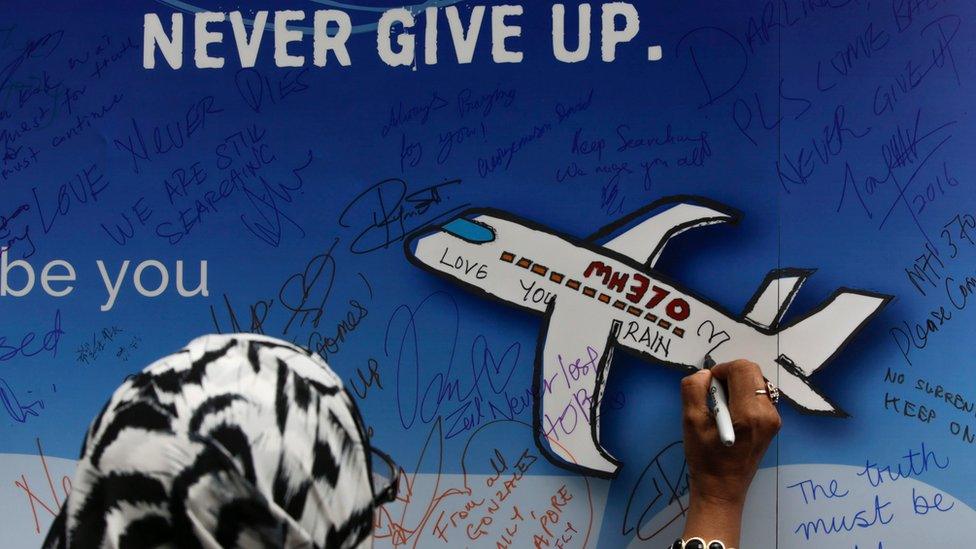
(17, 411)
(427, 386)
(304, 298)
(663, 481)
(385, 212)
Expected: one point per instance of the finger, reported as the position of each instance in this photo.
(744, 378)
(694, 395)
(741, 376)
(773, 421)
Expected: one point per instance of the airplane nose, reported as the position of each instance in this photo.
(412, 240)
(410, 244)
(458, 230)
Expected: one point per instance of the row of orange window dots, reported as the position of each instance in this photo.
(558, 278)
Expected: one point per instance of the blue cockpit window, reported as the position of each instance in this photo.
(471, 231)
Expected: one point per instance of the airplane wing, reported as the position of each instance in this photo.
(643, 234)
(571, 372)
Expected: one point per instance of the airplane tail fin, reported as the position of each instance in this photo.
(808, 344)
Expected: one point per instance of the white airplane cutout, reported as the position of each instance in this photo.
(603, 292)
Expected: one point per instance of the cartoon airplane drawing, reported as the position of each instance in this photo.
(603, 292)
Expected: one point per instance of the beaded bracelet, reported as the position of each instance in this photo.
(698, 543)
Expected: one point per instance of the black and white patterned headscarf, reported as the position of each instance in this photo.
(235, 441)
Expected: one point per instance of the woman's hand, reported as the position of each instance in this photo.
(720, 476)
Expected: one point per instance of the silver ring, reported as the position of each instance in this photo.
(771, 391)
